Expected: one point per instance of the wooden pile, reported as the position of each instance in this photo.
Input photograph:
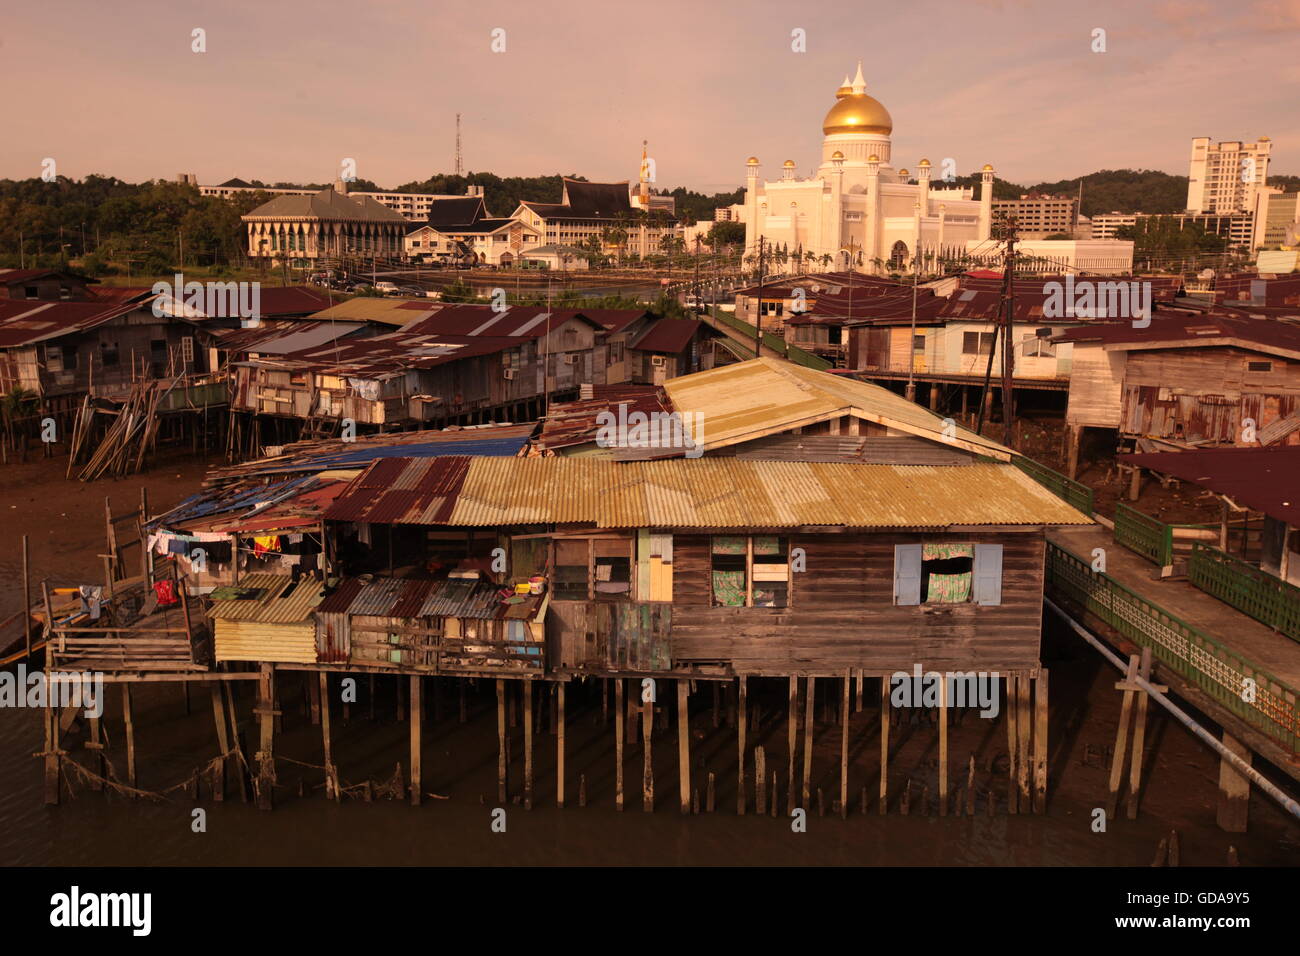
(131, 434)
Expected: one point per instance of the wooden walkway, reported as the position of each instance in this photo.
(1245, 636)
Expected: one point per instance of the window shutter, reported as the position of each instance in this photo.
(907, 574)
(988, 574)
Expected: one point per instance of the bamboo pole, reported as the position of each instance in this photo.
(684, 746)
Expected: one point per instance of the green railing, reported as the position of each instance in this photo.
(1144, 535)
(1068, 490)
(770, 340)
(1264, 597)
(1242, 688)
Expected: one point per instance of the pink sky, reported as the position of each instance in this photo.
(287, 90)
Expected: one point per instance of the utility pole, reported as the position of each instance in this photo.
(1008, 351)
(911, 347)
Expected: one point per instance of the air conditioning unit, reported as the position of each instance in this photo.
(508, 373)
(657, 361)
(570, 358)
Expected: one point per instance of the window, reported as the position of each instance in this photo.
(615, 352)
(977, 343)
(947, 573)
(31, 292)
(1259, 366)
(187, 350)
(108, 354)
(750, 571)
(1041, 347)
(571, 570)
(918, 343)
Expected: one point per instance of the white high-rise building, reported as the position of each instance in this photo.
(1223, 178)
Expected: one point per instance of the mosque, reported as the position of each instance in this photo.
(858, 208)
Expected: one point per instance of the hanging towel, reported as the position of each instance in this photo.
(166, 591)
(266, 542)
(92, 595)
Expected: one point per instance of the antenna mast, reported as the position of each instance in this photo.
(459, 165)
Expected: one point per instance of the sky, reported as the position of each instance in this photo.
(286, 91)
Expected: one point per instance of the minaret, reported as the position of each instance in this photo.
(836, 239)
(871, 221)
(644, 186)
(751, 204)
(986, 202)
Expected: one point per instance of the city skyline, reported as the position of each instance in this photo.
(579, 97)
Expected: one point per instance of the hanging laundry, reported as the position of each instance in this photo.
(92, 596)
(178, 545)
(166, 592)
(218, 551)
(262, 544)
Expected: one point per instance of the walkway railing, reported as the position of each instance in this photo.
(1263, 596)
(1232, 681)
(1068, 490)
(1144, 535)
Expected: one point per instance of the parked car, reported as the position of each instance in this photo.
(387, 288)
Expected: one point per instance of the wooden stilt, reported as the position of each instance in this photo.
(96, 747)
(760, 781)
(857, 706)
(240, 766)
(618, 743)
(1121, 741)
(223, 742)
(313, 699)
(742, 713)
(809, 710)
(632, 711)
(1025, 724)
(417, 718)
(844, 749)
(1233, 806)
(331, 773)
(266, 742)
(559, 745)
(647, 754)
(502, 782)
(684, 745)
(884, 744)
(528, 744)
(129, 722)
(1041, 749)
(1012, 741)
(943, 747)
(792, 727)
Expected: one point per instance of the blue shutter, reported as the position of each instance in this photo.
(907, 574)
(988, 574)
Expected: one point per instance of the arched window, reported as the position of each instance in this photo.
(898, 255)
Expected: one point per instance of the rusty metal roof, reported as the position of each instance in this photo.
(280, 603)
(1260, 478)
(399, 597)
(761, 396)
(699, 493)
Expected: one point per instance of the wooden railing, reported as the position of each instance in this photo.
(1232, 681)
(1263, 596)
(1072, 492)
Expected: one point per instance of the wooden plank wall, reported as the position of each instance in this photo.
(842, 613)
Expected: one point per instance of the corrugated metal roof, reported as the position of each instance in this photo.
(282, 602)
(700, 493)
(398, 597)
(744, 401)
(1261, 478)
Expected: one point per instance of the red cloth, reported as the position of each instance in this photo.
(166, 591)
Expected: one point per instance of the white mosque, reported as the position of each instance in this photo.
(858, 208)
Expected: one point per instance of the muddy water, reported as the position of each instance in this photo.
(65, 522)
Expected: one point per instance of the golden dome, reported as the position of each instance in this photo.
(873, 158)
(788, 164)
(988, 168)
(903, 173)
(752, 161)
(924, 162)
(857, 113)
(837, 155)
